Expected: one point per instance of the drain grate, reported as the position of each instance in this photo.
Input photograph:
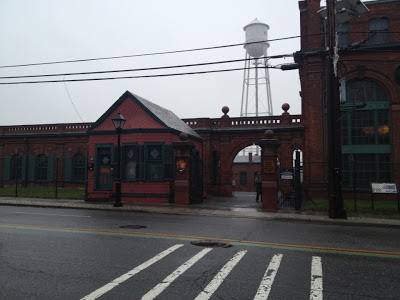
(210, 244)
(132, 227)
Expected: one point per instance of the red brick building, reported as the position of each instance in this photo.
(369, 65)
(147, 154)
(32, 153)
(245, 169)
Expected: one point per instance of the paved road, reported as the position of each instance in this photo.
(83, 254)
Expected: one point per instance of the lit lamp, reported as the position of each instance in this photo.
(119, 122)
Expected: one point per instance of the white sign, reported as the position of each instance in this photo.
(383, 188)
(287, 175)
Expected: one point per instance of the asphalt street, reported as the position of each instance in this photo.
(48, 253)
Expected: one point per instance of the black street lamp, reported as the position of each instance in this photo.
(119, 122)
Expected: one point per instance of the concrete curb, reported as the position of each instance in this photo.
(183, 210)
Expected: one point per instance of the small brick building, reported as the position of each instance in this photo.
(245, 169)
(147, 154)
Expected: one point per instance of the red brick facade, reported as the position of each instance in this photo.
(62, 141)
(376, 62)
(219, 140)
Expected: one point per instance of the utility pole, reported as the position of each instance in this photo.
(336, 204)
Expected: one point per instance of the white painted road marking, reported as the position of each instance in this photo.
(220, 277)
(101, 291)
(25, 213)
(170, 278)
(316, 279)
(268, 279)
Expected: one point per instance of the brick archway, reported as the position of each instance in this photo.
(224, 137)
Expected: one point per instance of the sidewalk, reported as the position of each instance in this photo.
(215, 209)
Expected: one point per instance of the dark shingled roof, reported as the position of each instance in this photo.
(158, 113)
(167, 117)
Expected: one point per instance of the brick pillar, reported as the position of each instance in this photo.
(269, 171)
(182, 154)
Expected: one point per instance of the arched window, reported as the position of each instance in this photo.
(78, 167)
(41, 167)
(15, 167)
(379, 31)
(366, 145)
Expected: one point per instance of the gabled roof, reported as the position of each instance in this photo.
(161, 115)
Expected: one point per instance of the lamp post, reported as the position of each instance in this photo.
(119, 122)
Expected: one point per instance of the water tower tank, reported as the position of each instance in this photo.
(256, 31)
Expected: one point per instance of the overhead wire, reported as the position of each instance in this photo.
(127, 77)
(141, 69)
(152, 53)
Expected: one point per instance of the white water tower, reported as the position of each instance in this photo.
(256, 92)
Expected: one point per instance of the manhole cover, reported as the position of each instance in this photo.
(132, 226)
(211, 244)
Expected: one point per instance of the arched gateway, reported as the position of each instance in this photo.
(224, 137)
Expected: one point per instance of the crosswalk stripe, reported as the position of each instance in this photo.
(101, 291)
(170, 278)
(268, 279)
(220, 277)
(316, 279)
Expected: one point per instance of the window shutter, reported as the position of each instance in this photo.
(6, 168)
(67, 167)
(31, 168)
(50, 167)
(23, 167)
(114, 157)
(141, 161)
(168, 162)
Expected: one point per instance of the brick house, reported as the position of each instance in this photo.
(147, 154)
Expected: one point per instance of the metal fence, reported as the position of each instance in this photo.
(53, 171)
(356, 177)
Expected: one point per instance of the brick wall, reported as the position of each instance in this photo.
(354, 64)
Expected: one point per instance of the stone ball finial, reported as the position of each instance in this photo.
(269, 134)
(225, 110)
(183, 136)
(285, 107)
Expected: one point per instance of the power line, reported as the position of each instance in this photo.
(127, 77)
(185, 73)
(142, 69)
(153, 53)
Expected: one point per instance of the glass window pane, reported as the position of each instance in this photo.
(154, 163)
(379, 31)
(130, 162)
(41, 167)
(363, 131)
(78, 167)
(243, 178)
(382, 124)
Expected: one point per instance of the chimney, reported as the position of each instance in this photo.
(250, 157)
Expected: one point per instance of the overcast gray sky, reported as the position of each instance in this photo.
(53, 30)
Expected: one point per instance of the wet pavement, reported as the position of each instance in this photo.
(241, 205)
